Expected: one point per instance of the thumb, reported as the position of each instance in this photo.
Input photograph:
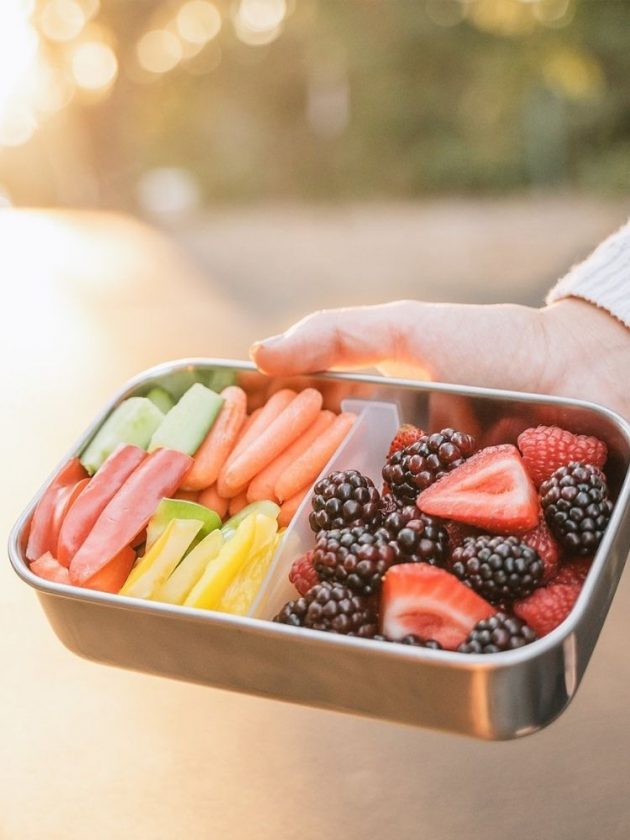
(356, 337)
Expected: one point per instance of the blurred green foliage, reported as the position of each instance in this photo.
(377, 98)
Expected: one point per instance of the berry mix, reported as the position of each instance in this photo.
(464, 549)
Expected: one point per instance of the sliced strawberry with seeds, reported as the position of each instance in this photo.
(428, 602)
(547, 448)
(491, 490)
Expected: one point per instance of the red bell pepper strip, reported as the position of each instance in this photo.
(158, 476)
(102, 488)
(43, 534)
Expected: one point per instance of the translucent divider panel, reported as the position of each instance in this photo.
(364, 449)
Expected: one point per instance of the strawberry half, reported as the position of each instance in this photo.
(491, 490)
(547, 448)
(428, 602)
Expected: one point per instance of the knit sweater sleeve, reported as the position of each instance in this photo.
(603, 278)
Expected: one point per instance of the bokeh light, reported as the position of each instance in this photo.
(198, 21)
(94, 65)
(62, 20)
(259, 22)
(574, 73)
(18, 65)
(159, 51)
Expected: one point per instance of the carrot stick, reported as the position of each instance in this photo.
(261, 418)
(262, 486)
(219, 441)
(305, 469)
(289, 508)
(211, 499)
(186, 495)
(282, 432)
(238, 503)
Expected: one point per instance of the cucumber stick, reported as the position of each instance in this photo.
(188, 422)
(133, 421)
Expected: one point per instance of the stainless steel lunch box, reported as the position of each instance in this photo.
(501, 696)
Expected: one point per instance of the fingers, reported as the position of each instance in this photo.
(357, 337)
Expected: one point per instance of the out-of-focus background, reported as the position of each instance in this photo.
(210, 171)
(314, 152)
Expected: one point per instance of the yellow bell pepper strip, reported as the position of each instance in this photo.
(241, 593)
(175, 589)
(164, 555)
(219, 572)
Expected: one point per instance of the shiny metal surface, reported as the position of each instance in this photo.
(498, 697)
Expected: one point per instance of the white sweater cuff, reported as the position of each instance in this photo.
(603, 278)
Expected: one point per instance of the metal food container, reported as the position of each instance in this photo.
(499, 696)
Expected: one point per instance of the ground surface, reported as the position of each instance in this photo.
(87, 751)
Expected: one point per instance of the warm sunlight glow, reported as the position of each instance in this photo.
(94, 65)
(259, 22)
(62, 20)
(198, 21)
(159, 51)
(18, 72)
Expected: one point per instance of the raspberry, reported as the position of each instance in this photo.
(457, 532)
(344, 499)
(547, 448)
(353, 557)
(499, 632)
(499, 569)
(411, 470)
(332, 608)
(574, 571)
(576, 506)
(405, 436)
(547, 607)
(542, 541)
(302, 573)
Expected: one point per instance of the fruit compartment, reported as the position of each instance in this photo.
(364, 449)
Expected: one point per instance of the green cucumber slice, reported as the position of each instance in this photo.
(161, 398)
(133, 421)
(188, 422)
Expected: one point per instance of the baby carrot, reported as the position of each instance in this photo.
(238, 503)
(282, 432)
(211, 499)
(219, 441)
(289, 508)
(262, 486)
(186, 495)
(305, 469)
(261, 418)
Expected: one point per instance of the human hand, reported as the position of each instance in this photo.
(570, 349)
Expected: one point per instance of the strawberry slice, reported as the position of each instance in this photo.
(430, 603)
(491, 490)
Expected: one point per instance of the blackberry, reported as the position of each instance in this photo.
(343, 499)
(416, 537)
(500, 569)
(414, 641)
(576, 506)
(411, 470)
(332, 608)
(353, 557)
(499, 632)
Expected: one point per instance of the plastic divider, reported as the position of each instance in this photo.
(364, 449)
